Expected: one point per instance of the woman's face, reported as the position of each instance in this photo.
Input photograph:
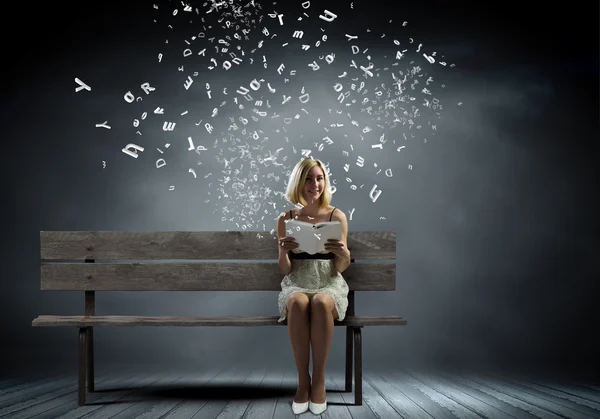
(314, 185)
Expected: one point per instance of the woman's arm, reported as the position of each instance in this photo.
(284, 262)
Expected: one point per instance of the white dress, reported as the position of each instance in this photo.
(312, 276)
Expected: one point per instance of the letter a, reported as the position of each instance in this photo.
(328, 16)
(132, 153)
(129, 97)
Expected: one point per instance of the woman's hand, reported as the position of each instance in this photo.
(337, 247)
(288, 243)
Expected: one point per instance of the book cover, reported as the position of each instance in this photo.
(312, 237)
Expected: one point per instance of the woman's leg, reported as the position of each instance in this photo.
(298, 319)
(322, 314)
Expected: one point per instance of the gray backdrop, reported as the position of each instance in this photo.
(496, 228)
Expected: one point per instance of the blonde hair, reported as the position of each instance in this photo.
(293, 192)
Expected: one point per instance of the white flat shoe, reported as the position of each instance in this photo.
(299, 408)
(317, 408)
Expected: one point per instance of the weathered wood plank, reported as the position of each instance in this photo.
(16, 405)
(68, 403)
(225, 387)
(38, 387)
(144, 245)
(111, 394)
(31, 383)
(135, 402)
(572, 389)
(263, 405)
(232, 395)
(240, 400)
(164, 399)
(191, 321)
(29, 393)
(461, 398)
(204, 276)
(336, 407)
(439, 398)
(582, 401)
(408, 409)
(363, 411)
(591, 386)
(374, 401)
(417, 396)
(189, 408)
(6, 383)
(283, 405)
(515, 412)
(549, 405)
(470, 381)
(523, 388)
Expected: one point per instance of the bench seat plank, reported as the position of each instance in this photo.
(82, 321)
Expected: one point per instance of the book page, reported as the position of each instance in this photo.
(326, 231)
(306, 234)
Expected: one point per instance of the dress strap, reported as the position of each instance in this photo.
(331, 214)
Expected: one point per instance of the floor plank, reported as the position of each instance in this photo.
(25, 392)
(572, 389)
(574, 403)
(263, 403)
(128, 405)
(68, 402)
(374, 401)
(9, 386)
(236, 407)
(110, 393)
(554, 406)
(8, 383)
(238, 393)
(439, 398)
(39, 402)
(357, 412)
(533, 408)
(226, 386)
(400, 402)
(515, 412)
(336, 406)
(461, 398)
(167, 397)
(283, 406)
(417, 397)
(188, 408)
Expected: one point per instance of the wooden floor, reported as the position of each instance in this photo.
(260, 394)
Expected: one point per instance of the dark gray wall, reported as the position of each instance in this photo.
(496, 222)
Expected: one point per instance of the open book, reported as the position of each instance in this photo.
(312, 237)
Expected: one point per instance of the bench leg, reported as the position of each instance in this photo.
(81, 365)
(89, 342)
(357, 367)
(349, 336)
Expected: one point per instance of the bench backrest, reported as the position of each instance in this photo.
(193, 261)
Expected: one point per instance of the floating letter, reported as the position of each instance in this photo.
(132, 153)
(147, 88)
(328, 16)
(81, 86)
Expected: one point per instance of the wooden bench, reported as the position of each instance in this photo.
(62, 254)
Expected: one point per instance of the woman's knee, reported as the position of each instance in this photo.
(322, 302)
(298, 301)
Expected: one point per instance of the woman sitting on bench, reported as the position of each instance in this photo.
(313, 291)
